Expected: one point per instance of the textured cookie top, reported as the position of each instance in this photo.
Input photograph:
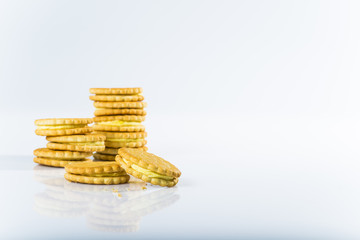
(120, 104)
(45, 152)
(89, 168)
(116, 91)
(149, 161)
(123, 135)
(78, 138)
(63, 121)
(130, 118)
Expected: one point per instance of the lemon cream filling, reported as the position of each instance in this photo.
(85, 143)
(119, 123)
(125, 140)
(65, 126)
(148, 172)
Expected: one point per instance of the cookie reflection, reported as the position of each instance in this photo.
(113, 208)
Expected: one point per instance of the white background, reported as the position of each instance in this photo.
(256, 102)
(264, 77)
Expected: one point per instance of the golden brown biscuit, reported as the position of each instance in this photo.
(96, 180)
(63, 155)
(125, 119)
(88, 138)
(138, 128)
(79, 148)
(120, 104)
(92, 168)
(116, 91)
(123, 111)
(123, 135)
(62, 132)
(55, 162)
(117, 98)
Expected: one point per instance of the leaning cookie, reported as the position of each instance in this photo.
(96, 173)
(81, 143)
(148, 167)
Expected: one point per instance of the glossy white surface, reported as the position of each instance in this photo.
(277, 196)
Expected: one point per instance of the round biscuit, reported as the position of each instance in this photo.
(123, 135)
(65, 155)
(69, 147)
(123, 111)
(116, 91)
(56, 162)
(63, 132)
(78, 138)
(62, 121)
(96, 180)
(94, 168)
(126, 118)
(107, 128)
(117, 98)
(120, 104)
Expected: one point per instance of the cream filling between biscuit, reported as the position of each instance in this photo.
(125, 140)
(119, 123)
(65, 126)
(148, 172)
(85, 143)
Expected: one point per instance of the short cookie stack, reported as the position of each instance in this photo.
(119, 115)
(70, 140)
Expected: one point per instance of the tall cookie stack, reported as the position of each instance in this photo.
(119, 113)
(69, 141)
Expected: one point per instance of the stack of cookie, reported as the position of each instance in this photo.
(70, 140)
(119, 115)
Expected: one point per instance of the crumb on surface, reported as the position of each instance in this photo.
(144, 188)
(119, 195)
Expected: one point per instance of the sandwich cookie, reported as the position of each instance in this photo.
(148, 167)
(62, 126)
(109, 154)
(120, 123)
(124, 139)
(48, 157)
(96, 173)
(81, 143)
